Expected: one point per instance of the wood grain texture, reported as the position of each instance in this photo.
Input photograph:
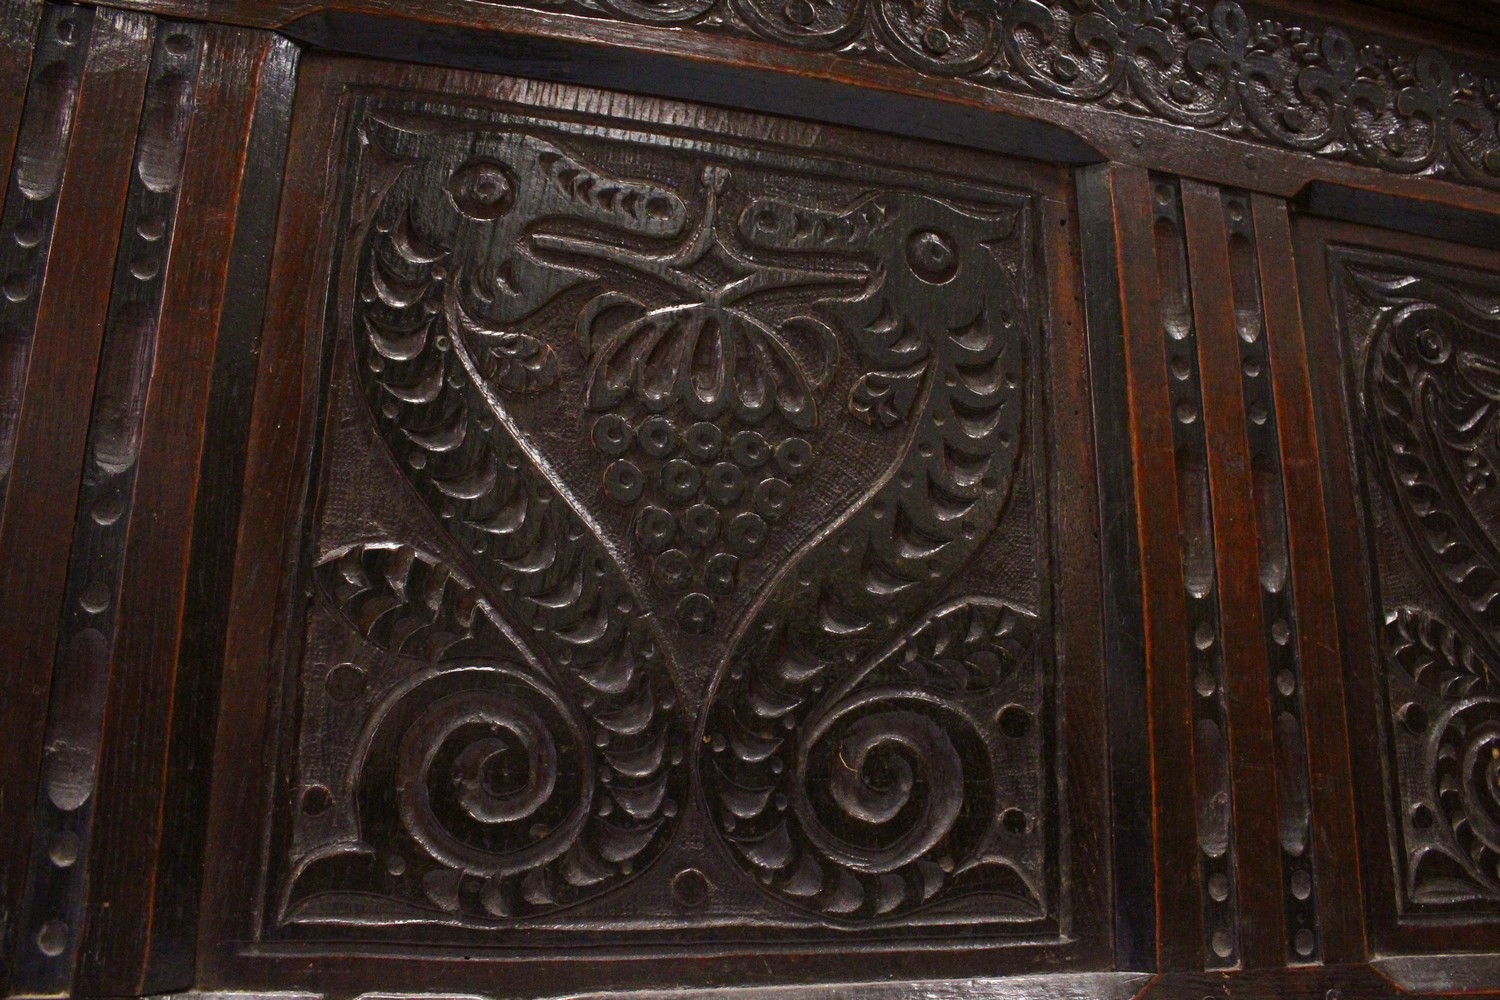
(1353, 601)
(1084, 652)
(1241, 626)
(489, 180)
(1179, 911)
(51, 429)
(1383, 979)
(279, 431)
(445, 33)
(1125, 641)
(61, 840)
(1340, 891)
(174, 927)
(1284, 682)
(131, 825)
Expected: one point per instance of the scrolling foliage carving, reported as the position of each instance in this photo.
(1427, 344)
(1217, 66)
(653, 474)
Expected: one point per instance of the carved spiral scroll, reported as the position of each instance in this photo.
(1464, 758)
(840, 720)
(660, 11)
(806, 23)
(485, 768)
(607, 396)
(943, 36)
(529, 789)
(894, 774)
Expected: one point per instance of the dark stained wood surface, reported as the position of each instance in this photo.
(391, 609)
(1220, 322)
(278, 432)
(1075, 820)
(174, 925)
(146, 664)
(90, 621)
(1179, 892)
(1387, 593)
(51, 382)
(1126, 706)
(1480, 16)
(1331, 793)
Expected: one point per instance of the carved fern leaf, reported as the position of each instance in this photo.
(1435, 655)
(402, 600)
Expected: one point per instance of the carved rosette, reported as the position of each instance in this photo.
(1430, 388)
(686, 446)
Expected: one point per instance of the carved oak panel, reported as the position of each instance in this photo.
(678, 561)
(1423, 349)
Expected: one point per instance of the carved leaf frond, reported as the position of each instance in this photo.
(1435, 655)
(401, 599)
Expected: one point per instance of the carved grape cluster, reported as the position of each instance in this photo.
(538, 753)
(706, 495)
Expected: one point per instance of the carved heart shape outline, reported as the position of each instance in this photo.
(427, 353)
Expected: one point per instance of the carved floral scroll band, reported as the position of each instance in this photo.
(1214, 66)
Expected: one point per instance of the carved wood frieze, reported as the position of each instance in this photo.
(679, 559)
(1425, 353)
(1223, 67)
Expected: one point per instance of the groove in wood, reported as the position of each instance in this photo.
(57, 886)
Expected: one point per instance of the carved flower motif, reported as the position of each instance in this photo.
(705, 342)
(1231, 52)
(705, 356)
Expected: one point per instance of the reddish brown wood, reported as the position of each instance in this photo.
(1179, 914)
(130, 826)
(279, 433)
(1080, 654)
(1346, 550)
(39, 504)
(56, 893)
(1242, 628)
(1340, 903)
(18, 23)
